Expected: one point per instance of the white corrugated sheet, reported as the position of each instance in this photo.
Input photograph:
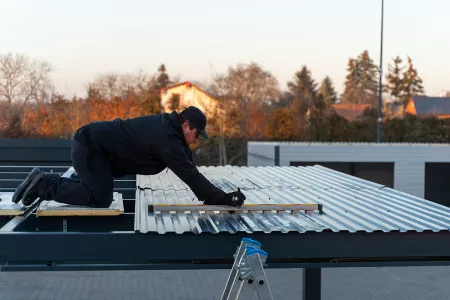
(349, 203)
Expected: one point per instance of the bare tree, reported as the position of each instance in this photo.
(110, 85)
(246, 89)
(243, 93)
(23, 79)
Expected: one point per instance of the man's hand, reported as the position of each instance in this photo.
(235, 199)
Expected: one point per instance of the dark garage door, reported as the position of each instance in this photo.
(382, 173)
(437, 183)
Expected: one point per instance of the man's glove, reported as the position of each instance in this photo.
(235, 199)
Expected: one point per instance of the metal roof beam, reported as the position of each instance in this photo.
(326, 248)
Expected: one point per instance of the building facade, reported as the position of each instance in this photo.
(187, 94)
(417, 169)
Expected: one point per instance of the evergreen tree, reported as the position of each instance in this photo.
(304, 89)
(351, 82)
(368, 79)
(163, 79)
(361, 81)
(403, 84)
(327, 91)
(395, 85)
(413, 84)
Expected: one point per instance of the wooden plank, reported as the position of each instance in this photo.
(245, 207)
(11, 212)
(8, 208)
(52, 208)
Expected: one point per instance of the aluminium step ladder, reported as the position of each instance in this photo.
(247, 275)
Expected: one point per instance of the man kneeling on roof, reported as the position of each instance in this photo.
(144, 145)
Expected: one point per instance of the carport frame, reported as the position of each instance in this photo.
(104, 243)
(312, 251)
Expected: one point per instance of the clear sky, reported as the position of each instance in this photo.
(196, 38)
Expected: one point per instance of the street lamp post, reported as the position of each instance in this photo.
(380, 88)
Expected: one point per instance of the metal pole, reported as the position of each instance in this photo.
(312, 284)
(380, 88)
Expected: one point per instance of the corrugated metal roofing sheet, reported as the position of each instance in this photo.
(349, 203)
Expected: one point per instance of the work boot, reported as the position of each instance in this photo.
(32, 192)
(23, 186)
(38, 188)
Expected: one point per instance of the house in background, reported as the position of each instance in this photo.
(351, 112)
(424, 106)
(181, 95)
(392, 109)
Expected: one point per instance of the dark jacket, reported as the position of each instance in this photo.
(147, 145)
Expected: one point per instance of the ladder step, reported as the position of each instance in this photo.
(247, 275)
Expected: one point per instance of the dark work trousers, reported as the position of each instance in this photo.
(95, 187)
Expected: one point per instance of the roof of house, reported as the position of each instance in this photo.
(177, 85)
(350, 111)
(350, 204)
(431, 105)
(186, 83)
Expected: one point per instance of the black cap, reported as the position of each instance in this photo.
(197, 118)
